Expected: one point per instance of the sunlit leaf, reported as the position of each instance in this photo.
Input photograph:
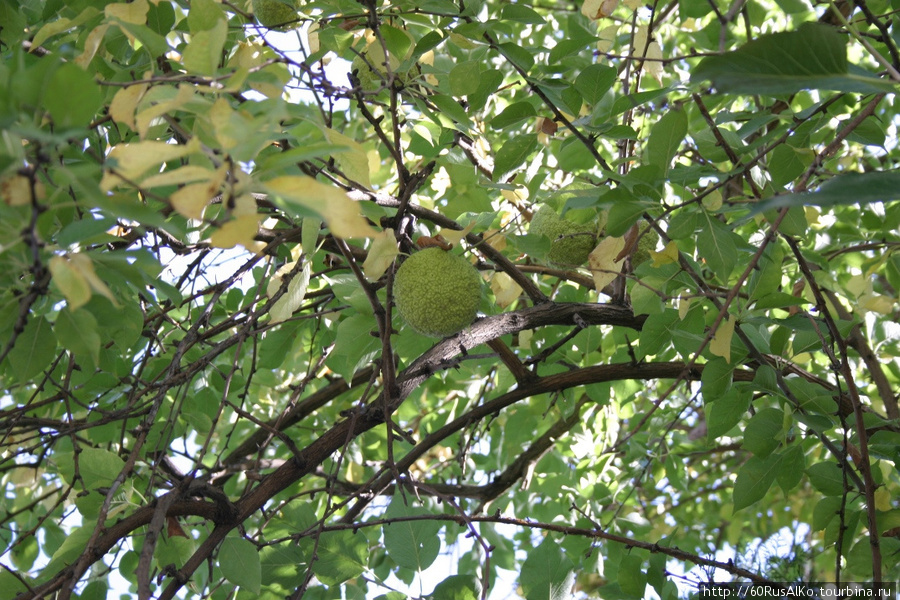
(339, 212)
(240, 563)
(812, 57)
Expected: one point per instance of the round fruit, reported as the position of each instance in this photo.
(274, 13)
(369, 67)
(570, 242)
(437, 293)
(645, 245)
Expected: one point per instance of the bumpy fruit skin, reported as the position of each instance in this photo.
(571, 242)
(274, 13)
(437, 293)
(370, 69)
(647, 243)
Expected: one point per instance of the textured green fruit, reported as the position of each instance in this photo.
(645, 245)
(437, 293)
(570, 242)
(369, 67)
(274, 13)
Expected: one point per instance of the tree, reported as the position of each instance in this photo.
(207, 389)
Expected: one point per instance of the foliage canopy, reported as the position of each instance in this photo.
(206, 390)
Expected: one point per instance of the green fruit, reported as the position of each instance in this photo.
(274, 13)
(645, 245)
(437, 293)
(369, 67)
(570, 242)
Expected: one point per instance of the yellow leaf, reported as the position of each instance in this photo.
(179, 176)
(495, 239)
(293, 297)
(506, 291)
(720, 344)
(83, 264)
(454, 236)
(312, 38)
(71, 282)
(15, 190)
(684, 305)
(63, 24)
(239, 231)
(162, 106)
(352, 160)
(633, 4)
(883, 499)
(124, 104)
(858, 285)
(602, 261)
(639, 45)
(134, 13)
(713, 200)
(381, 254)
(128, 162)
(91, 45)
(339, 212)
(878, 303)
(598, 9)
(654, 66)
(517, 195)
(244, 204)
(606, 38)
(191, 200)
(667, 255)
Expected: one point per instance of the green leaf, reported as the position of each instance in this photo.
(786, 163)
(412, 544)
(594, 81)
(762, 433)
(813, 57)
(204, 51)
(657, 332)
(547, 573)
(512, 154)
(512, 114)
(240, 563)
(72, 97)
(754, 479)
(665, 139)
(77, 332)
(457, 587)
(99, 467)
(826, 477)
(716, 379)
(451, 108)
(465, 78)
(631, 577)
(354, 346)
(846, 189)
(342, 555)
(204, 14)
(726, 412)
(791, 468)
(825, 511)
(715, 245)
(34, 350)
